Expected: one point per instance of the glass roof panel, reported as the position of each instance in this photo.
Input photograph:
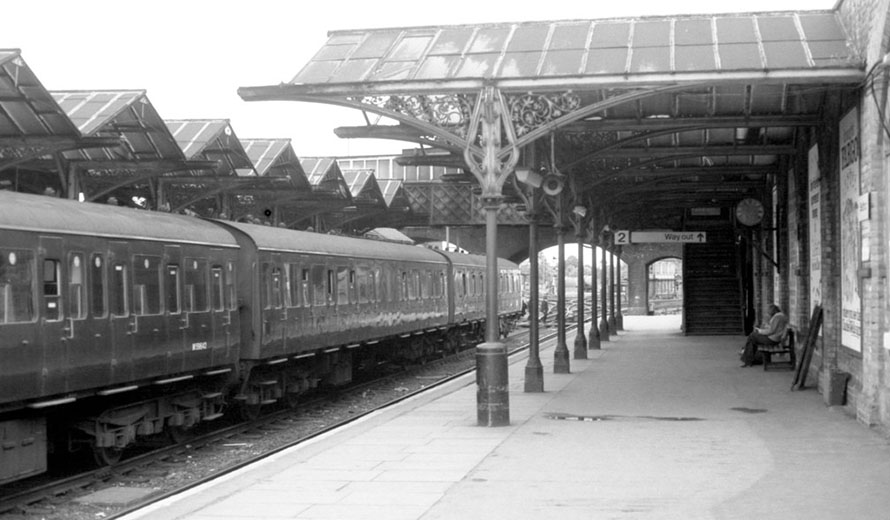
(610, 34)
(739, 56)
(693, 32)
(376, 45)
(652, 34)
(694, 57)
(436, 67)
(569, 36)
(562, 62)
(392, 71)
(477, 66)
(828, 50)
(333, 52)
(528, 38)
(777, 28)
(735, 30)
(520, 64)
(821, 27)
(651, 59)
(316, 72)
(24, 118)
(452, 41)
(785, 54)
(607, 61)
(490, 39)
(353, 70)
(410, 48)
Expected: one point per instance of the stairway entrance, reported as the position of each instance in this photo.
(713, 302)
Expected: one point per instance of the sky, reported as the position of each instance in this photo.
(191, 56)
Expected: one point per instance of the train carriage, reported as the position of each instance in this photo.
(99, 301)
(312, 300)
(118, 323)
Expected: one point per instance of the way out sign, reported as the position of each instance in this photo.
(624, 237)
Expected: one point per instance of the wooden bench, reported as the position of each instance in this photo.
(785, 347)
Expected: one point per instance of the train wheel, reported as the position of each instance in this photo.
(107, 456)
(249, 412)
(179, 434)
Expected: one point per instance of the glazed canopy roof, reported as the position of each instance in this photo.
(586, 51)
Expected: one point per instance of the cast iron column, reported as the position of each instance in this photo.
(604, 320)
(491, 165)
(613, 327)
(619, 318)
(534, 370)
(593, 341)
(580, 341)
(492, 397)
(561, 352)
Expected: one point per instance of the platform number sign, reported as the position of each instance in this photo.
(622, 237)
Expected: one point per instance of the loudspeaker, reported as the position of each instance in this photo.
(552, 184)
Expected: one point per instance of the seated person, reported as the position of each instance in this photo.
(770, 334)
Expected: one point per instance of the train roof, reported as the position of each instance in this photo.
(462, 259)
(19, 211)
(280, 239)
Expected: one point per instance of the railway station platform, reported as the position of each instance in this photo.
(656, 425)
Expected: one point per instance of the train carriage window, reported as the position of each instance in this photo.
(404, 295)
(16, 286)
(294, 285)
(117, 290)
(231, 299)
(217, 288)
(52, 289)
(97, 286)
(196, 285)
(172, 289)
(319, 283)
(76, 287)
(364, 284)
(343, 279)
(146, 285)
(272, 295)
(463, 285)
(305, 287)
(330, 287)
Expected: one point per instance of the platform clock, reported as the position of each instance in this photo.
(749, 212)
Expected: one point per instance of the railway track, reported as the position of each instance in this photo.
(169, 470)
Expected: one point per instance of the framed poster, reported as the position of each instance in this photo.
(851, 301)
(815, 228)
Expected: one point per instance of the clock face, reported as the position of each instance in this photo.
(749, 212)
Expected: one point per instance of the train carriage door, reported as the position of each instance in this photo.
(222, 280)
(123, 325)
(274, 313)
(172, 295)
(19, 279)
(153, 354)
(87, 357)
(196, 312)
(55, 329)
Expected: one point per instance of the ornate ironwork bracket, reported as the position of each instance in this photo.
(489, 162)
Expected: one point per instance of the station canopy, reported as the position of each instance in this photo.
(644, 117)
